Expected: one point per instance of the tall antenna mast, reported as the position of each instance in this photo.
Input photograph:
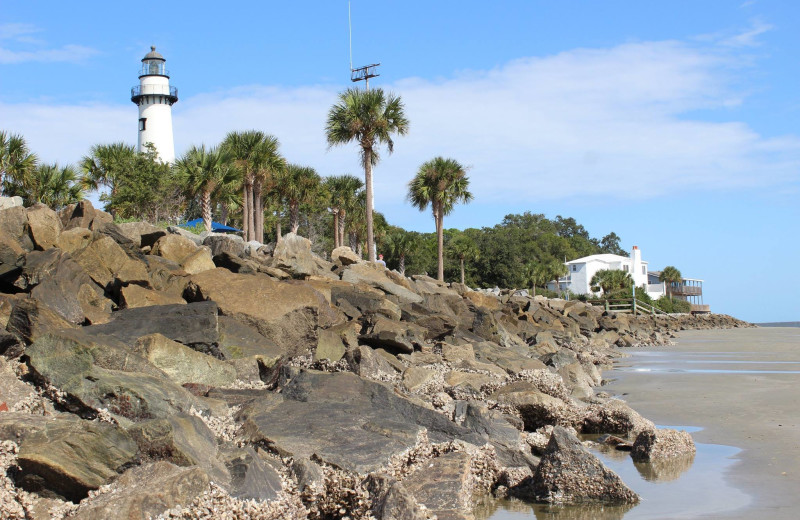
(361, 73)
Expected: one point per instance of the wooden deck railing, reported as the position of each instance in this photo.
(627, 305)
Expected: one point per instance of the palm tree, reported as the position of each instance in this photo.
(556, 270)
(343, 191)
(442, 183)
(204, 171)
(49, 184)
(610, 280)
(670, 276)
(105, 163)
(463, 248)
(256, 155)
(368, 117)
(16, 160)
(399, 244)
(297, 185)
(535, 273)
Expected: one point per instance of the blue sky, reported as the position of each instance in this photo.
(675, 124)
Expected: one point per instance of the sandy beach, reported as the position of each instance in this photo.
(742, 386)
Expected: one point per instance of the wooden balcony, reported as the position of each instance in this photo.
(700, 309)
(685, 290)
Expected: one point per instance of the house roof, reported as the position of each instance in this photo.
(605, 257)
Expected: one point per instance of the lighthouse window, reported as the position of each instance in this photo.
(142, 122)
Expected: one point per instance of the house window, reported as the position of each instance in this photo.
(644, 270)
(142, 121)
(625, 268)
(574, 268)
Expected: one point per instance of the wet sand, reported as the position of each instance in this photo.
(742, 387)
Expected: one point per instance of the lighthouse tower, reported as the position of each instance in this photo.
(155, 98)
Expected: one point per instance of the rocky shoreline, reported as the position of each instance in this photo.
(154, 373)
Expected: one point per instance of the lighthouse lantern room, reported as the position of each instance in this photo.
(155, 98)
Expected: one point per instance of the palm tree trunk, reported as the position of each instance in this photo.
(251, 223)
(437, 215)
(354, 243)
(278, 227)
(205, 201)
(462, 270)
(336, 228)
(223, 217)
(342, 226)
(368, 182)
(245, 212)
(258, 209)
(294, 216)
(402, 265)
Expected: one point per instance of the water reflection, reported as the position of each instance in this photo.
(508, 509)
(664, 470)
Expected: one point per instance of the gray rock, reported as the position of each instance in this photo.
(250, 477)
(142, 234)
(391, 500)
(10, 202)
(183, 364)
(219, 244)
(343, 255)
(614, 416)
(31, 319)
(569, 474)
(395, 336)
(662, 443)
(378, 277)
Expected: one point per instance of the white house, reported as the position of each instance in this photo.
(581, 271)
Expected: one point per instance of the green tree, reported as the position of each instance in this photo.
(398, 245)
(611, 280)
(368, 117)
(442, 183)
(343, 191)
(52, 185)
(105, 163)
(462, 248)
(297, 185)
(555, 270)
(256, 155)
(16, 160)
(203, 172)
(670, 275)
(535, 274)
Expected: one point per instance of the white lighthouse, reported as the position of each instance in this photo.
(155, 98)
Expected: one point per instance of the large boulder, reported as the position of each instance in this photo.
(134, 296)
(73, 240)
(286, 313)
(71, 457)
(364, 299)
(45, 226)
(230, 244)
(98, 372)
(614, 416)
(198, 261)
(536, 408)
(395, 336)
(52, 276)
(142, 234)
(182, 364)
(379, 277)
(347, 421)
(146, 492)
(109, 265)
(511, 360)
(174, 247)
(194, 325)
(83, 215)
(293, 254)
(11, 202)
(343, 255)
(659, 444)
(31, 319)
(250, 477)
(569, 474)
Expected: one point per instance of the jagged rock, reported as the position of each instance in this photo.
(73, 240)
(45, 226)
(174, 247)
(417, 378)
(250, 477)
(100, 372)
(483, 300)
(193, 324)
(11, 346)
(508, 359)
(577, 380)
(239, 341)
(7, 302)
(396, 336)
(70, 457)
(614, 416)
(236, 264)
(146, 492)
(536, 408)
(197, 239)
(343, 255)
(12, 256)
(308, 474)
(83, 215)
(166, 276)
(458, 352)
(31, 319)
(347, 421)
(10, 202)
(12, 390)
(368, 363)
(377, 276)
(134, 296)
(489, 424)
(142, 234)
(330, 345)
(569, 474)
(662, 443)
(391, 500)
(198, 261)
(182, 364)
(286, 313)
(106, 263)
(560, 358)
(293, 254)
(466, 383)
(219, 244)
(14, 226)
(52, 276)
(365, 299)
(182, 439)
(445, 486)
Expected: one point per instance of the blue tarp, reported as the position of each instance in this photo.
(215, 226)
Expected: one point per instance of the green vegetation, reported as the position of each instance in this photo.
(670, 275)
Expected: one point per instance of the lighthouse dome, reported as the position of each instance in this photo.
(153, 55)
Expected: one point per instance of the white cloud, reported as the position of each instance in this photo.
(748, 38)
(18, 34)
(602, 124)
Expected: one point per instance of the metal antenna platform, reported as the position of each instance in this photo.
(364, 73)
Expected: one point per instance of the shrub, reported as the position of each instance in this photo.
(673, 306)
